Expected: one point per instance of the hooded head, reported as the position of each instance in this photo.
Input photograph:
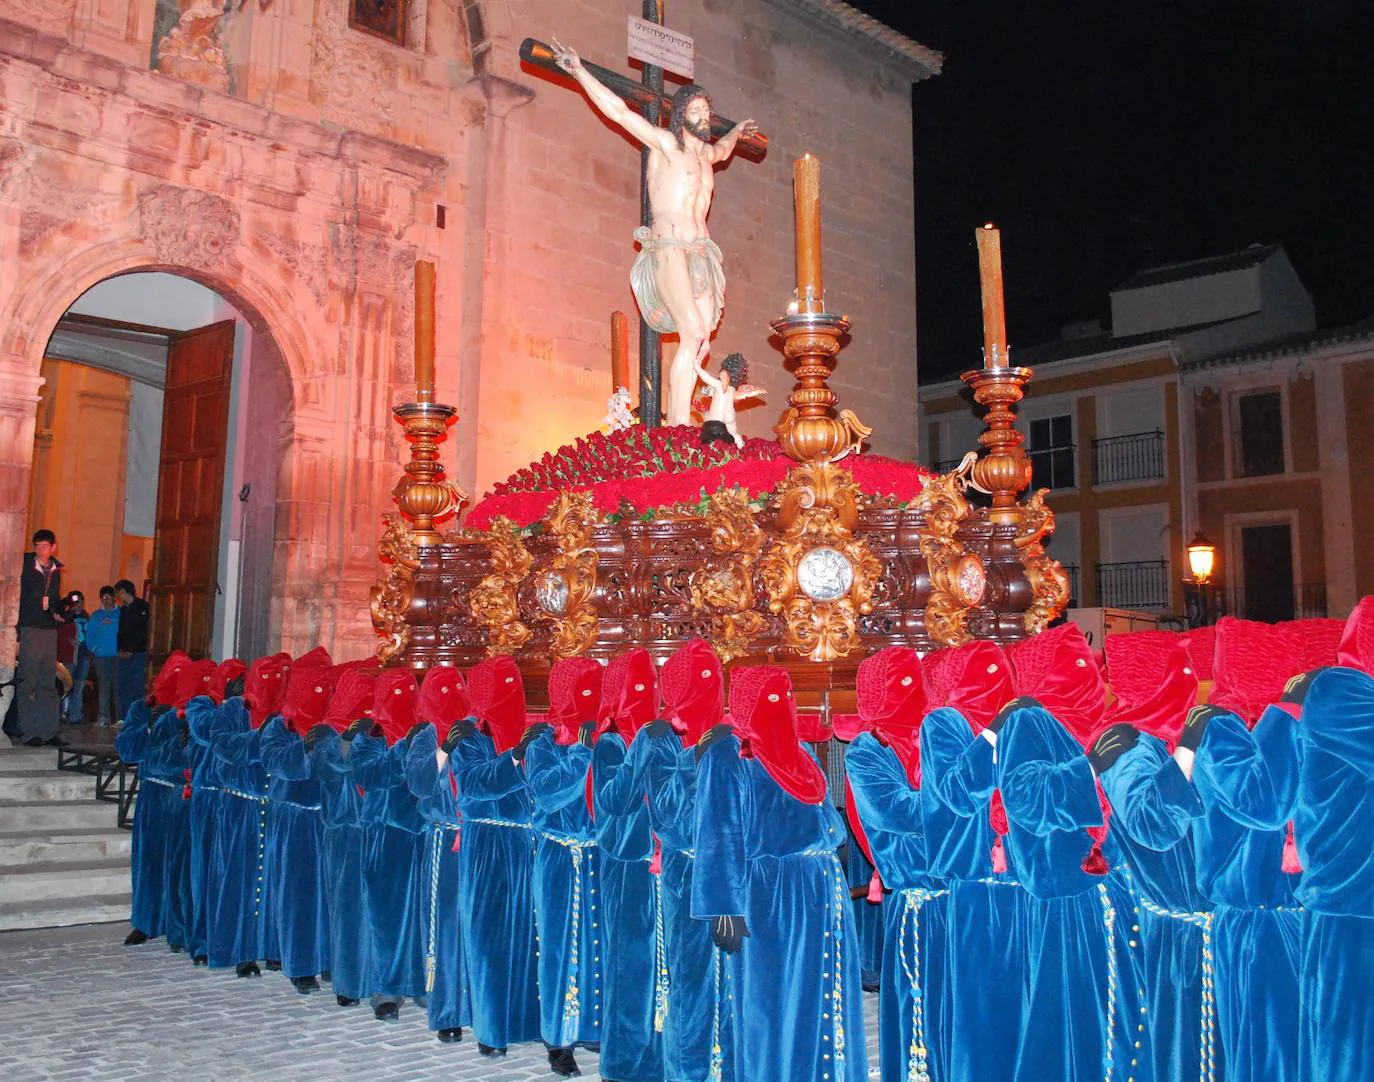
(443, 699)
(194, 679)
(1356, 649)
(574, 696)
(225, 673)
(892, 693)
(498, 700)
(165, 683)
(1254, 661)
(264, 687)
(974, 679)
(352, 699)
(1057, 669)
(393, 703)
(1154, 683)
(693, 688)
(629, 694)
(308, 690)
(765, 716)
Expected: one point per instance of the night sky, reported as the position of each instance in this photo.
(1108, 137)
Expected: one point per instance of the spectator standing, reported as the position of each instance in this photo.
(73, 653)
(102, 646)
(35, 674)
(131, 669)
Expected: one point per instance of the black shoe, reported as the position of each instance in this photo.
(488, 1050)
(451, 1036)
(561, 1063)
(55, 742)
(346, 1001)
(200, 960)
(247, 969)
(34, 742)
(305, 985)
(134, 938)
(175, 948)
(873, 985)
(271, 966)
(387, 1012)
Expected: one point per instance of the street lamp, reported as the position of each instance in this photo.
(1202, 557)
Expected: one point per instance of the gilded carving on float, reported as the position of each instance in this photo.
(1049, 582)
(493, 602)
(818, 576)
(391, 596)
(570, 523)
(723, 587)
(957, 577)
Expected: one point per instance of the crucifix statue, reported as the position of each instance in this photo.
(678, 278)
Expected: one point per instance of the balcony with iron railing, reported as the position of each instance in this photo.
(1279, 601)
(1135, 457)
(1141, 584)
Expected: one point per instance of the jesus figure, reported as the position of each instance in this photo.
(677, 278)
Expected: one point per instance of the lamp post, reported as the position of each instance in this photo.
(1202, 557)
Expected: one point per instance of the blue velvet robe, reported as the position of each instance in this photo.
(1154, 808)
(446, 978)
(205, 797)
(987, 978)
(295, 852)
(913, 985)
(567, 886)
(634, 968)
(1248, 780)
(1334, 820)
(763, 855)
(1083, 1015)
(497, 907)
(392, 868)
(869, 917)
(698, 1030)
(350, 937)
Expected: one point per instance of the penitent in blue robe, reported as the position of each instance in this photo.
(1083, 1016)
(205, 797)
(497, 907)
(913, 1008)
(1153, 810)
(446, 979)
(1335, 832)
(634, 969)
(768, 857)
(1248, 780)
(350, 938)
(133, 744)
(986, 977)
(392, 868)
(567, 886)
(698, 1027)
(295, 852)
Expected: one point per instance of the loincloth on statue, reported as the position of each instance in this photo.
(705, 269)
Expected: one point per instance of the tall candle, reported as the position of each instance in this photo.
(994, 316)
(620, 352)
(424, 331)
(806, 194)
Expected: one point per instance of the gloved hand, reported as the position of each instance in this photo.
(710, 736)
(531, 734)
(1295, 691)
(414, 729)
(461, 730)
(1196, 726)
(586, 734)
(315, 735)
(658, 727)
(1000, 718)
(234, 687)
(1114, 742)
(356, 728)
(728, 933)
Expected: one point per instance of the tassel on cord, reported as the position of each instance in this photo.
(999, 857)
(875, 888)
(1292, 865)
(1095, 863)
(656, 863)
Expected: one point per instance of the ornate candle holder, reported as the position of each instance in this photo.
(1004, 471)
(424, 494)
(809, 429)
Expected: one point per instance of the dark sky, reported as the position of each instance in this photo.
(1105, 137)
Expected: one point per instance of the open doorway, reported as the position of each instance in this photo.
(145, 464)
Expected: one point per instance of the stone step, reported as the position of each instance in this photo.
(49, 881)
(44, 784)
(65, 912)
(21, 847)
(39, 818)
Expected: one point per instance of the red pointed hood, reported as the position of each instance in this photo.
(892, 694)
(765, 716)
(309, 687)
(693, 688)
(226, 672)
(317, 658)
(629, 694)
(264, 687)
(393, 703)
(1356, 649)
(352, 699)
(1315, 643)
(192, 680)
(1254, 661)
(1057, 668)
(498, 700)
(1154, 683)
(574, 696)
(975, 679)
(165, 683)
(443, 699)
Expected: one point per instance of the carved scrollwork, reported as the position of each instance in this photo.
(1049, 582)
(570, 524)
(956, 576)
(391, 596)
(819, 576)
(493, 602)
(723, 587)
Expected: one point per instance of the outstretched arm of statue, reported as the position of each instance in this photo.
(725, 145)
(607, 102)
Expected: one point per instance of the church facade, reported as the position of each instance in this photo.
(298, 156)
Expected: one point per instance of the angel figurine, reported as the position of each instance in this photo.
(722, 392)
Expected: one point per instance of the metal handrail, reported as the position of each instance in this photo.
(1138, 456)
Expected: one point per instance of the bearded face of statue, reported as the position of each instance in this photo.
(697, 119)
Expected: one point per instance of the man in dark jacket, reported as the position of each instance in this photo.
(131, 670)
(35, 674)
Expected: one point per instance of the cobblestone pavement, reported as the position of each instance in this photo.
(80, 1005)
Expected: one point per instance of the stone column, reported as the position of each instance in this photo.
(19, 384)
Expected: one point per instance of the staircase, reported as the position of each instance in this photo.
(63, 858)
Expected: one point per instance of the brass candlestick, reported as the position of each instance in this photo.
(809, 430)
(1004, 471)
(424, 493)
